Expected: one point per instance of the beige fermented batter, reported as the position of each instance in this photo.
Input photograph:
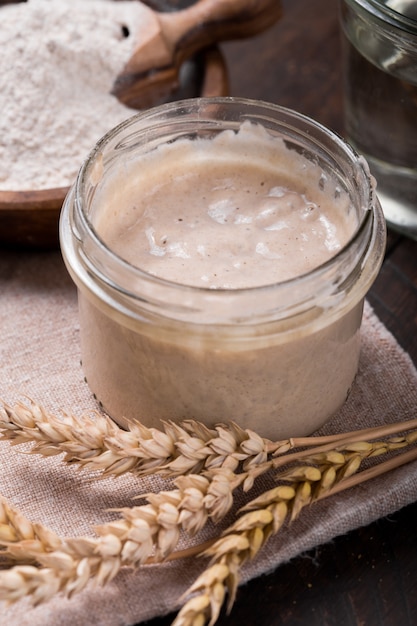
(238, 211)
(234, 212)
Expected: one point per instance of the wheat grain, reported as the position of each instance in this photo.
(17, 529)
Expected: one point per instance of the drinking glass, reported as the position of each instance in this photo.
(380, 98)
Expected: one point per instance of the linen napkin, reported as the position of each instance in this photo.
(39, 349)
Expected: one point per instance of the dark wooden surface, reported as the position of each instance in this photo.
(367, 577)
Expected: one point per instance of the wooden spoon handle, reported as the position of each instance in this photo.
(211, 21)
(171, 38)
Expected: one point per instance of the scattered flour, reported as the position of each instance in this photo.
(58, 61)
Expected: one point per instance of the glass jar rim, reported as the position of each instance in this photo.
(119, 275)
(387, 14)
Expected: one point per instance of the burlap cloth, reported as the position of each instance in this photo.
(40, 358)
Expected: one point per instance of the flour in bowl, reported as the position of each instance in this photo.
(58, 62)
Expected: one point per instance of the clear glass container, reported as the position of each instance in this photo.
(277, 358)
(380, 99)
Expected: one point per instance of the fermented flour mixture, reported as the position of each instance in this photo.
(58, 61)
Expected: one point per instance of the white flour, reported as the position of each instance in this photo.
(58, 61)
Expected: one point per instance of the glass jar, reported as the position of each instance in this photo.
(380, 99)
(277, 358)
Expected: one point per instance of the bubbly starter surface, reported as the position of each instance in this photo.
(237, 211)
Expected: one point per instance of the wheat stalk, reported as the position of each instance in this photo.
(265, 516)
(151, 531)
(226, 458)
(177, 449)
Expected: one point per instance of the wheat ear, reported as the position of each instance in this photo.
(154, 528)
(266, 515)
(132, 539)
(141, 532)
(175, 450)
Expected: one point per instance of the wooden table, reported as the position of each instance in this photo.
(368, 577)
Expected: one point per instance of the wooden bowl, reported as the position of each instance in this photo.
(29, 219)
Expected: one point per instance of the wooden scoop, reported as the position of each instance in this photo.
(166, 40)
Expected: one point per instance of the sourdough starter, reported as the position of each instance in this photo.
(237, 212)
